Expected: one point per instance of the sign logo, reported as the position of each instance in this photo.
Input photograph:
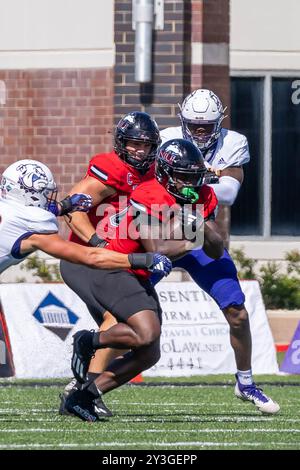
(55, 316)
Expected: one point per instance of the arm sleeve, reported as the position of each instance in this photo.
(226, 190)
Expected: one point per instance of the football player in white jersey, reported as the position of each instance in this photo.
(225, 152)
(28, 222)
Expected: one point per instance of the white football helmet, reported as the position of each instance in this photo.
(30, 183)
(201, 116)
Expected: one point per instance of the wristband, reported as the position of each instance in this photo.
(66, 206)
(97, 241)
(141, 260)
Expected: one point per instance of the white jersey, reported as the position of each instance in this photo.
(18, 222)
(231, 149)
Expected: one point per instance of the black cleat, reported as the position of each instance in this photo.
(101, 409)
(81, 404)
(83, 352)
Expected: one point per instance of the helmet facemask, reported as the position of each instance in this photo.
(203, 140)
(184, 186)
(180, 172)
(137, 127)
(202, 110)
(138, 158)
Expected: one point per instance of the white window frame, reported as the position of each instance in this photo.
(266, 178)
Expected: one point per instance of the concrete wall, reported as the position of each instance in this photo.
(55, 33)
(264, 35)
(56, 83)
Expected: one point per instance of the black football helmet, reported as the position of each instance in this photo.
(179, 160)
(139, 127)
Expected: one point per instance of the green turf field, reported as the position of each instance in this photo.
(179, 416)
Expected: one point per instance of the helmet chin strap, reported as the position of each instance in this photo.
(190, 193)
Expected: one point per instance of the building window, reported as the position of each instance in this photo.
(262, 108)
(246, 117)
(285, 212)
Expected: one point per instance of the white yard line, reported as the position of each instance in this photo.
(229, 402)
(20, 417)
(180, 444)
(155, 431)
(12, 402)
(18, 411)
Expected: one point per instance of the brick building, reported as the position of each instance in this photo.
(67, 75)
(61, 114)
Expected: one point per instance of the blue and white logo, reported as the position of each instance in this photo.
(55, 316)
(221, 161)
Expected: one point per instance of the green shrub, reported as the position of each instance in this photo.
(279, 289)
(39, 268)
(244, 265)
(293, 259)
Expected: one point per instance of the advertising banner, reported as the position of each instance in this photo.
(41, 319)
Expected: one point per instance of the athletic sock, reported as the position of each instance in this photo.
(245, 377)
(96, 340)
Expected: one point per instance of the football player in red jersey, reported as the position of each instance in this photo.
(110, 179)
(179, 172)
(115, 174)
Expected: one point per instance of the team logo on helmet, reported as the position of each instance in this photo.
(32, 177)
(29, 182)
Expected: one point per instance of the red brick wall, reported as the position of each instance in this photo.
(174, 76)
(171, 64)
(60, 117)
(210, 24)
(215, 20)
(197, 26)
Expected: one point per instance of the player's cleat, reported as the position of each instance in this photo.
(81, 404)
(83, 352)
(100, 408)
(256, 396)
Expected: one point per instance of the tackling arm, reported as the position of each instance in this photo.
(98, 258)
(80, 223)
(55, 246)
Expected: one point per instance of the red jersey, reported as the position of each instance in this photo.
(153, 199)
(110, 170)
